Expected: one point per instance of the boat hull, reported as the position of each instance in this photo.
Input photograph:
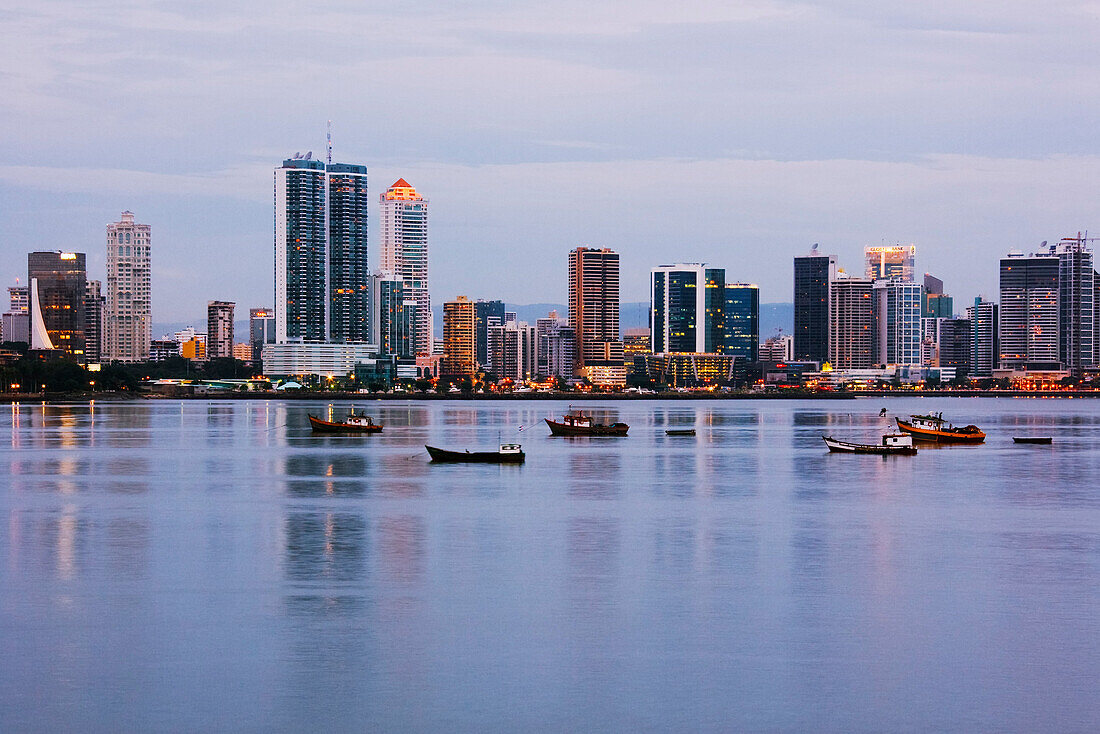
(474, 457)
(320, 426)
(562, 429)
(956, 435)
(680, 432)
(1033, 439)
(843, 447)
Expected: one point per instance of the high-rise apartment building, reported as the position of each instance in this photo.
(459, 337)
(219, 329)
(484, 312)
(58, 284)
(851, 323)
(1076, 292)
(321, 267)
(985, 348)
(512, 350)
(594, 313)
(404, 225)
(954, 345)
(894, 262)
(812, 276)
(897, 334)
(1029, 314)
(261, 330)
(741, 321)
(18, 298)
(556, 348)
(393, 315)
(94, 317)
(128, 325)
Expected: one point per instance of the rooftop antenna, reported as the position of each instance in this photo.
(329, 142)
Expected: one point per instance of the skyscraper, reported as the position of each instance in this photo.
(404, 224)
(812, 276)
(1076, 290)
(1029, 319)
(321, 267)
(893, 262)
(484, 311)
(851, 318)
(556, 348)
(594, 314)
(678, 308)
(127, 308)
(94, 308)
(985, 348)
(261, 330)
(741, 321)
(935, 304)
(459, 339)
(897, 334)
(393, 315)
(955, 347)
(58, 283)
(219, 329)
(512, 350)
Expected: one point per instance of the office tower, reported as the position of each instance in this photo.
(511, 347)
(954, 344)
(894, 262)
(556, 347)
(404, 223)
(1096, 318)
(128, 313)
(1029, 312)
(484, 310)
(393, 314)
(897, 333)
(812, 276)
(935, 304)
(459, 339)
(18, 298)
(677, 308)
(219, 329)
(985, 348)
(58, 282)
(261, 330)
(594, 310)
(94, 317)
(741, 321)
(321, 268)
(1076, 290)
(851, 321)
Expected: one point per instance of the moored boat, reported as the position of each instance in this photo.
(509, 453)
(1033, 439)
(680, 432)
(582, 425)
(892, 443)
(934, 428)
(355, 423)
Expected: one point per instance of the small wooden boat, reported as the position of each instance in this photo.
(509, 453)
(892, 443)
(680, 432)
(1033, 439)
(355, 423)
(582, 425)
(934, 428)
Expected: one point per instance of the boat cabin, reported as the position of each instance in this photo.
(897, 439)
(579, 421)
(511, 448)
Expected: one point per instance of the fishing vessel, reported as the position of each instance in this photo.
(508, 453)
(355, 423)
(582, 425)
(934, 428)
(892, 443)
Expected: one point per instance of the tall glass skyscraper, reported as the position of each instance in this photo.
(812, 276)
(1076, 290)
(897, 316)
(349, 273)
(678, 308)
(58, 285)
(741, 321)
(404, 224)
(893, 262)
(1029, 319)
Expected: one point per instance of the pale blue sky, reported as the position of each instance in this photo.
(735, 133)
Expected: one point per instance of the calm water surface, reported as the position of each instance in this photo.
(212, 566)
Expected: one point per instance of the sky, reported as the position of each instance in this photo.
(731, 133)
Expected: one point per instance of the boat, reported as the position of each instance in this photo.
(934, 428)
(892, 443)
(680, 432)
(1033, 439)
(582, 425)
(509, 453)
(355, 423)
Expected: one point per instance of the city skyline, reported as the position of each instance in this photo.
(552, 128)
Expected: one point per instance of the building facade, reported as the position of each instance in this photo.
(219, 329)
(678, 308)
(486, 313)
(594, 314)
(741, 321)
(897, 334)
(459, 338)
(404, 236)
(894, 262)
(393, 315)
(128, 327)
(985, 347)
(954, 345)
(348, 269)
(851, 323)
(556, 347)
(1029, 312)
(812, 276)
(261, 330)
(1076, 293)
(94, 316)
(58, 285)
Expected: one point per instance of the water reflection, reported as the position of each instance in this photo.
(323, 548)
(594, 475)
(402, 547)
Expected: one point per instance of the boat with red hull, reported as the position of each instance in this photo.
(934, 428)
(582, 425)
(356, 423)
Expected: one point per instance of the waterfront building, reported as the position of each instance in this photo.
(404, 225)
(318, 359)
(678, 309)
(812, 276)
(1076, 292)
(512, 350)
(985, 348)
(484, 312)
(459, 340)
(741, 321)
(348, 268)
(128, 326)
(261, 330)
(58, 284)
(94, 314)
(954, 345)
(897, 333)
(1029, 314)
(594, 315)
(393, 316)
(894, 262)
(779, 348)
(692, 369)
(851, 321)
(556, 347)
(219, 329)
